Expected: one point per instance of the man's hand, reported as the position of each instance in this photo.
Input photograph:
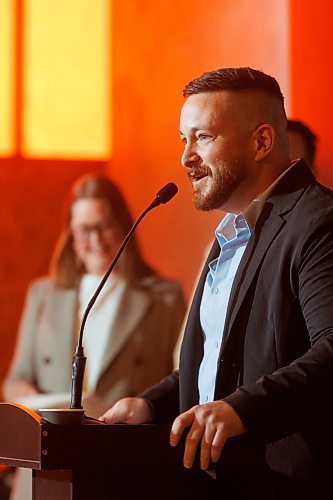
(212, 424)
(129, 411)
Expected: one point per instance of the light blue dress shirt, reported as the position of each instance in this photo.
(232, 234)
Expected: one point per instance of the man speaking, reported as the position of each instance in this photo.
(257, 355)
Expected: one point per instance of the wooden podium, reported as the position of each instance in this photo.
(91, 461)
(94, 461)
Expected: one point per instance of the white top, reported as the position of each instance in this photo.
(98, 328)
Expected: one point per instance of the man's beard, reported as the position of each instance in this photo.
(222, 183)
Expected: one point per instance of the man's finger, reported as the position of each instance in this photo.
(191, 444)
(206, 443)
(181, 422)
(111, 417)
(217, 445)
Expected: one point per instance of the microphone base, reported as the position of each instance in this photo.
(63, 416)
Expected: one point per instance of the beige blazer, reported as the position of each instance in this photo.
(139, 351)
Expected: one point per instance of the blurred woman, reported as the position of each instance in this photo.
(131, 330)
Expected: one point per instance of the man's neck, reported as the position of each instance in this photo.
(247, 192)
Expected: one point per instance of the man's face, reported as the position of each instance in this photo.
(216, 147)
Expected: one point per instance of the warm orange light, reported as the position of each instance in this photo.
(66, 79)
(7, 77)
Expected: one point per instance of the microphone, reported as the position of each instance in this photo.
(79, 359)
(165, 194)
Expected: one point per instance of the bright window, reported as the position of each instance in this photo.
(64, 85)
(7, 111)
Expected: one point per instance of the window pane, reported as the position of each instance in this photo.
(7, 58)
(66, 101)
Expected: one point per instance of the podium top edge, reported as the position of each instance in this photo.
(15, 407)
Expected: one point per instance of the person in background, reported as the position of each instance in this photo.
(256, 363)
(131, 330)
(302, 142)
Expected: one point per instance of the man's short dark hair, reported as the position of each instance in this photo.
(234, 79)
(309, 137)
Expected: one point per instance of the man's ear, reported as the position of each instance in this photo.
(264, 137)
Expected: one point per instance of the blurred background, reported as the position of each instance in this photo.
(96, 86)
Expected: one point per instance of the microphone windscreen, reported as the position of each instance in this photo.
(166, 193)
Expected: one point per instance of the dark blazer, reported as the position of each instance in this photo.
(276, 360)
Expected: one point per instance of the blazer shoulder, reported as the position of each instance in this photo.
(42, 285)
(316, 207)
(44, 289)
(159, 287)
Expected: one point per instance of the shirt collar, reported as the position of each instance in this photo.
(231, 228)
(251, 213)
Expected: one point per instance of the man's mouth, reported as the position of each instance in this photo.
(197, 176)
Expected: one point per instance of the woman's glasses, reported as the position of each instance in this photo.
(103, 230)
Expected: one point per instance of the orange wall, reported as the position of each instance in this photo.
(157, 48)
(311, 59)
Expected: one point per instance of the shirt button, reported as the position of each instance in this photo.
(206, 399)
(215, 291)
(216, 344)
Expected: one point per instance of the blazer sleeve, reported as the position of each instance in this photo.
(22, 366)
(290, 398)
(164, 398)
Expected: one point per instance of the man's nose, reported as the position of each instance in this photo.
(189, 157)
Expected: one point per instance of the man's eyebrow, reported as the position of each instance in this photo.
(192, 129)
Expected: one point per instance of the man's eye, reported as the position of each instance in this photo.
(203, 137)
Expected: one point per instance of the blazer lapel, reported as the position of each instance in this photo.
(61, 316)
(133, 306)
(269, 224)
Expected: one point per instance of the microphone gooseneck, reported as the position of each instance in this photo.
(79, 359)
